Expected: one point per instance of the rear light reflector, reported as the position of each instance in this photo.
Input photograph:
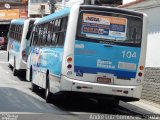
(69, 59)
(69, 73)
(141, 67)
(69, 66)
(140, 74)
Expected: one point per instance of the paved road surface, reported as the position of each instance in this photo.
(17, 99)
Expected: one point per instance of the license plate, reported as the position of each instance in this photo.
(104, 80)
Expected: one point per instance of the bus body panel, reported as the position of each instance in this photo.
(84, 61)
(118, 62)
(43, 60)
(15, 48)
(102, 89)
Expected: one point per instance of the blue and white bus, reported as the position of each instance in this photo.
(93, 50)
(18, 43)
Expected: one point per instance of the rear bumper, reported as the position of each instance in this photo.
(68, 84)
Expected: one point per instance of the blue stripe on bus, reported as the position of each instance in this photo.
(117, 73)
(18, 21)
(55, 15)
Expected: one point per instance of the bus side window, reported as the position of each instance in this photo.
(40, 34)
(63, 31)
(11, 32)
(14, 32)
(49, 35)
(35, 40)
(17, 26)
(17, 33)
(52, 37)
(47, 30)
(53, 30)
(45, 35)
(35, 36)
(31, 24)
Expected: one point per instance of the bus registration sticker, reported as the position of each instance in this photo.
(105, 78)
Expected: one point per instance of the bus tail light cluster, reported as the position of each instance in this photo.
(69, 59)
(69, 65)
(140, 74)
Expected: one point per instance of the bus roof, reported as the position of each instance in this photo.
(18, 21)
(58, 14)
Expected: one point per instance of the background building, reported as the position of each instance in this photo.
(38, 8)
(151, 89)
(69, 3)
(11, 9)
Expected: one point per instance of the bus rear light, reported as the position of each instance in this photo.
(140, 74)
(69, 59)
(141, 67)
(69, 66)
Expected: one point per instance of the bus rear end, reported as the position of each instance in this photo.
(109, 53)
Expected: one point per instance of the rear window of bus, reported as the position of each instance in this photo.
(111, 28)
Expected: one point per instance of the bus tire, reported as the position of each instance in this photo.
(8, 56)
(14, 69)
(30, 74)
(9, 65)
(34, 87)
(47, 90)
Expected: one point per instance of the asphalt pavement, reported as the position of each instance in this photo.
(18, 102)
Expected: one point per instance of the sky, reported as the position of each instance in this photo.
(127, 1)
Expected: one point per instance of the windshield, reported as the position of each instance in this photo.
(112, 28)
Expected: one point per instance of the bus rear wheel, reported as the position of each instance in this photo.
(30, 74)
(47, 90)
(34, 87)
(8, 56)
(14, 69)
